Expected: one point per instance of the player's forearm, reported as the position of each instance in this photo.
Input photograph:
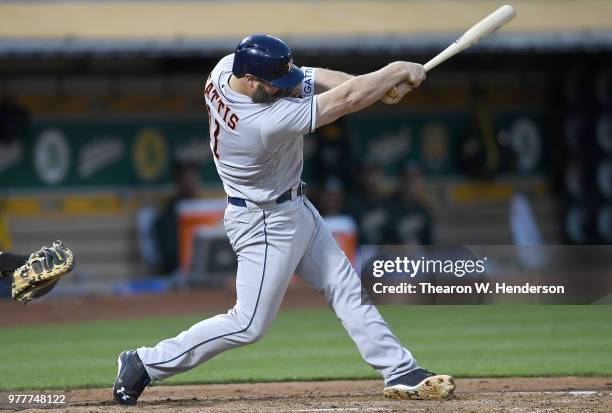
(363, 91)
(327, 79)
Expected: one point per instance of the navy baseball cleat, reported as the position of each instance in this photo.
(420, 384)
(132, 378)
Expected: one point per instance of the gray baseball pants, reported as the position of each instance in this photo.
(271, 244)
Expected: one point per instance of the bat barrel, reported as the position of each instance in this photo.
(483, 28)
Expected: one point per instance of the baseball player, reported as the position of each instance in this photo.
(260, 105)
(36, 274)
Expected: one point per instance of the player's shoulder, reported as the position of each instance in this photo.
(287, 105)
(291, 102)
(226, 62)
(286, 110)
(223, 66)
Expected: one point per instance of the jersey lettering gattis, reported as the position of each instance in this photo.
(258, 148)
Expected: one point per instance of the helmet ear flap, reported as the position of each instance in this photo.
(239, 67)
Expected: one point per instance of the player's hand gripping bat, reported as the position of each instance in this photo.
(483, 28)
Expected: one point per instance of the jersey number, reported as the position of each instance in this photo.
(214, 134)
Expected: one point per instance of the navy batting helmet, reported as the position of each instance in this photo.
(268, 58)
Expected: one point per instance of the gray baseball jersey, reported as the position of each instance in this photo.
(258, 148)
(258, 153)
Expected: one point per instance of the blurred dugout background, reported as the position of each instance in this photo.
(509, 142)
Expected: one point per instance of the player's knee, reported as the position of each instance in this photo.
(254, 334)
(252, 329)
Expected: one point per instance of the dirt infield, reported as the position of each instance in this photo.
(561, 394)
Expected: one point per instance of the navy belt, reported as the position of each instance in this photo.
(286, 196)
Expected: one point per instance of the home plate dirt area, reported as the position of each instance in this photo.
(540, 394)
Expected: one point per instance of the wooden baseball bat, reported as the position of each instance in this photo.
(483, 28)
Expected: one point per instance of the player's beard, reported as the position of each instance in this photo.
(261, 96)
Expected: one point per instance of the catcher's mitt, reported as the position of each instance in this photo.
(41, 272)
